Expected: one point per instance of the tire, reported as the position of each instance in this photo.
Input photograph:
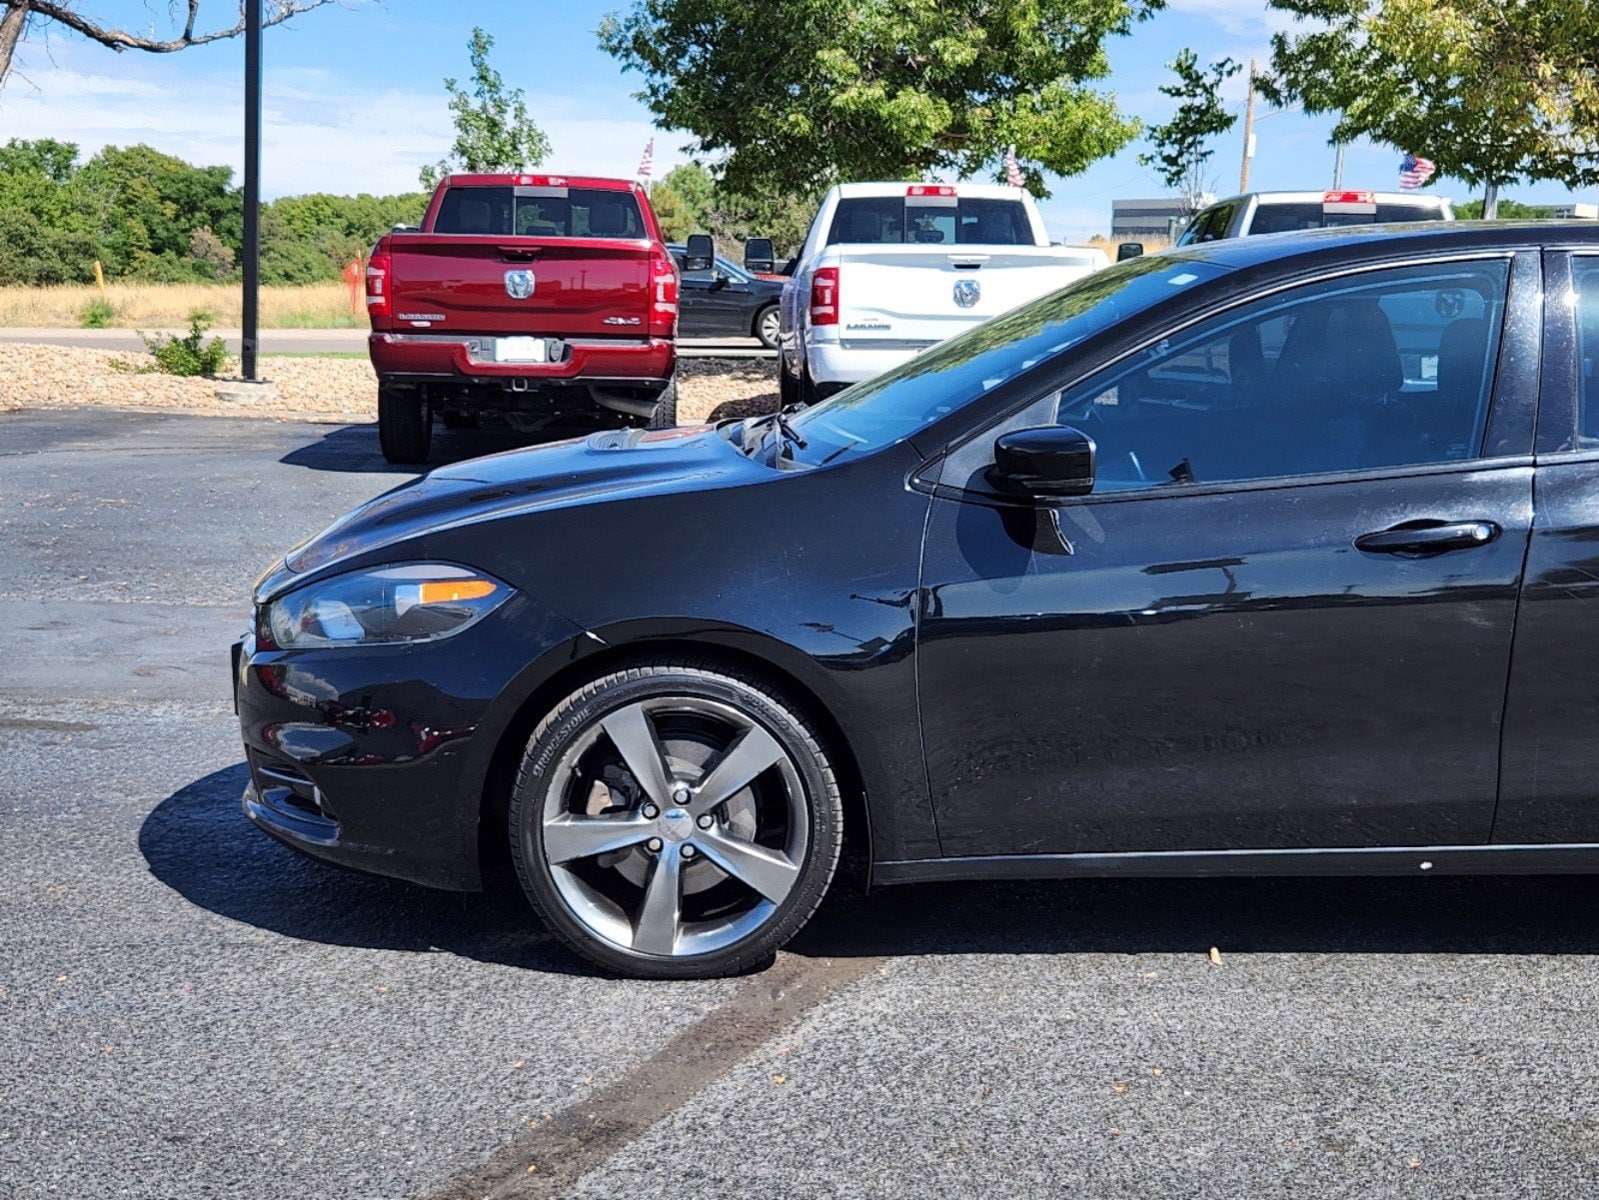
(405, 426)
(808, 395)
(787, 387)
(665, 414)
(766, 326)
(623, 899)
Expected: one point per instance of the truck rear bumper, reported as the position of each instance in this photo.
(846, 362)
(467, 359)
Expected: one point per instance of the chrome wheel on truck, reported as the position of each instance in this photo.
(675, 820)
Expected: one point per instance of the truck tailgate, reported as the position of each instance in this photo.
(925, 294)
(565, 287)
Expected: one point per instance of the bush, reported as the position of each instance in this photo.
(189, 355)
(97, 314)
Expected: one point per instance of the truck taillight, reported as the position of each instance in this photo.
(379, 300)
(663, 295)
(824, 296)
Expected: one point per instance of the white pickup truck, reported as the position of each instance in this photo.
(889, 269)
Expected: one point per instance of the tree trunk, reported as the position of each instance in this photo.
(1490, 202)
(16, 16)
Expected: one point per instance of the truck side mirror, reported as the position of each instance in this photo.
(1129, 250)
(759, 256)
(699, 252)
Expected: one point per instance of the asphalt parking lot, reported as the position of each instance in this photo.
(187, 1009)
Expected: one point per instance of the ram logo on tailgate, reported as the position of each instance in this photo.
(519, 284)
(967, 292)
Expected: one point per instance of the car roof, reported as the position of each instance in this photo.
(1420, 199)
(989, 191)
(1356, 242)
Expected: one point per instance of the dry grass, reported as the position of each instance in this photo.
(168, 305)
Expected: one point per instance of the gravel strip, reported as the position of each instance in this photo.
(341, 390)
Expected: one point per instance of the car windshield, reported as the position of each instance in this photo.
(911, 396)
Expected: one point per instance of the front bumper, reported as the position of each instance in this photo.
(639, 361)
(376, 757)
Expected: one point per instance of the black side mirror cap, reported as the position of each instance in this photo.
(1052, 460)
(699, 252)
(1129, 250)
(759, 256)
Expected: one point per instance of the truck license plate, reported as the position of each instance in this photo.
(519, 350)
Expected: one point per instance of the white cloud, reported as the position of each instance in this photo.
(321, 131)
(1240, 18)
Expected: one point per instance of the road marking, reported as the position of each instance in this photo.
(586, 1135)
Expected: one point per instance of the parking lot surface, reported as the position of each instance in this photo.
(188, 1009)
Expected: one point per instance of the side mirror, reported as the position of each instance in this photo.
(1053, 460)
(759, 256)
(1129, 250)
(699, 252)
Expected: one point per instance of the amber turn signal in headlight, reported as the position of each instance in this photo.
(414, 602)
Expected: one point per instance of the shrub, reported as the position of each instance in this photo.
(191, 354)
(97, 313)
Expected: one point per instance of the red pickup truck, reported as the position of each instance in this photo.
(538, 297)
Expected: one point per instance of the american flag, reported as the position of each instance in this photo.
(646, 165)
(1013, 173)
(1413, 172)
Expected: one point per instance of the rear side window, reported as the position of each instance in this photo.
(930, 221)
(1585, 283)
(1285, 218)
(540, 212)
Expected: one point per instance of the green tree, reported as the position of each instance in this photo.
(1509, 210)
(1182, 145)
(1491, 91)
(786, 97)
(493, 131)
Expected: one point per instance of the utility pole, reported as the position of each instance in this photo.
(1338, 168)
(252, 188)
(1249, 131)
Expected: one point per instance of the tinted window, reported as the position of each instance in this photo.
(953, 374)
(1387, 368)
(1284, 218)
(931, 221)
(1585, 281)
(540, 212)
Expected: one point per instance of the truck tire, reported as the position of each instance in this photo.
(405, 426)
(808, 395)
(787, 387)
(665, 414)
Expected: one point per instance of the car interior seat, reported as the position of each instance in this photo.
(1451, 417)
(1329, 390)
(607, 218)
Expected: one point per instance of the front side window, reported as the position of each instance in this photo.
(1382, 369)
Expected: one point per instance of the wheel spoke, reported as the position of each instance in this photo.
(753, 752)
(633, 736)
(769, 872)
(655, 932)
(571, 837)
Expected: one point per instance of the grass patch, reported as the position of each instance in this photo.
(168, 305)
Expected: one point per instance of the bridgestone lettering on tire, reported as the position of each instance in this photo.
(675, 820)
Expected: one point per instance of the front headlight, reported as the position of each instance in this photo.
(416, 602)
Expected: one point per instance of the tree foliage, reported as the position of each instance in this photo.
(690, 200)
(147, 215)
(1182, 147)
(1492, 91)
(785, 97)
(493, 131)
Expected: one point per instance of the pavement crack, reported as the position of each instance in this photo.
(586, 1134)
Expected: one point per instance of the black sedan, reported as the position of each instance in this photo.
(1264, 556)
(726, 301)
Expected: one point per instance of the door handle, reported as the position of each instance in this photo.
(1428, 538)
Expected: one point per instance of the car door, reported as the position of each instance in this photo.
(1283, 618)
(1550, 788)
(715, 303)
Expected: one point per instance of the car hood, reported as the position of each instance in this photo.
(603, 468)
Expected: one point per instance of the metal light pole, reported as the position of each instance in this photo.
(252, 188)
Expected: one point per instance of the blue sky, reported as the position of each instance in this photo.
(355, 100)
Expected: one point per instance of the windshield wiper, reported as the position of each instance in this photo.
(756, 429)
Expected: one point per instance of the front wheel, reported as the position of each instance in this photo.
(675, 821)
(766, 327)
